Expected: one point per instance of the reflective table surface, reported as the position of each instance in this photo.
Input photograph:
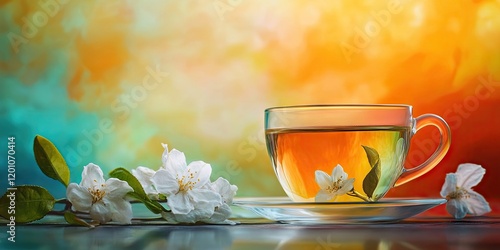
(255, 233)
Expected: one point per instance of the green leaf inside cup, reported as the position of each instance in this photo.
(372, 178)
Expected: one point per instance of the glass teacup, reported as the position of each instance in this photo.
(330, 153)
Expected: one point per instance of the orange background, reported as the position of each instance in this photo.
(108, 81)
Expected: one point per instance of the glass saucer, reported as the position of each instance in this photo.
(282, 209)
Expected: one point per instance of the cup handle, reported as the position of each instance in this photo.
(444, 144)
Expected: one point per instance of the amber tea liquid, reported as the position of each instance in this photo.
(297, 153)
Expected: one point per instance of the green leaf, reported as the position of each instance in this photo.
(153, 206)
(372, 178)
(73, 220)
(26, 203)
(50, 160)
(139, 194)
(372, 154)
(125, 175)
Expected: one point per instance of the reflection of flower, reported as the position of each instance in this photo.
(331, 187)
(205, 238)
(103, 199)
(457, 189)
(184, 184)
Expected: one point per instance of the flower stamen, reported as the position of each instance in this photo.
(96, 193)
(459, 193)
(185, 186)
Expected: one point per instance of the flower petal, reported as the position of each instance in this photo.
(100, 212)
(143, 175)
(205, 199)
(164, 156)
(450, 185)
(193, 216)
(92, 176)
(347, 186)
(116, 189)
(477, 204)
(457, 208)
(176, 161)
(225, 189)
(121, 212)
(199, 172)
(323, 196)
(338, 173)
(79, 197)
(220, 215)
(165, 182)
(322, 179)
(469, 175)
(180, 203)
(168, 216)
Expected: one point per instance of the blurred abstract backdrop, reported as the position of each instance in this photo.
(109, 81)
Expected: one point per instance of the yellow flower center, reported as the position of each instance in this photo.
(187, 182)
(335, 186)
(459, 193)
(97, 193)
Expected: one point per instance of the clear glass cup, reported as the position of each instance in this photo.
(306, 145)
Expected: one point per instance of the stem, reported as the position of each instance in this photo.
(62, 212)
(355, 193)
(58, 213)
(62, 201)
(146, 219)
(82, 215)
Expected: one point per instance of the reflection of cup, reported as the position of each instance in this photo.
(369, 142)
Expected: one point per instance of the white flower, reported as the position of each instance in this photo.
(331, 187)
(172, 158)
(222, 209)
(104, 200)
(164, 156)
(144, 176)
(227, 193)
(457, 189)
(183, 184)
(190, 194)
(225, 189)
